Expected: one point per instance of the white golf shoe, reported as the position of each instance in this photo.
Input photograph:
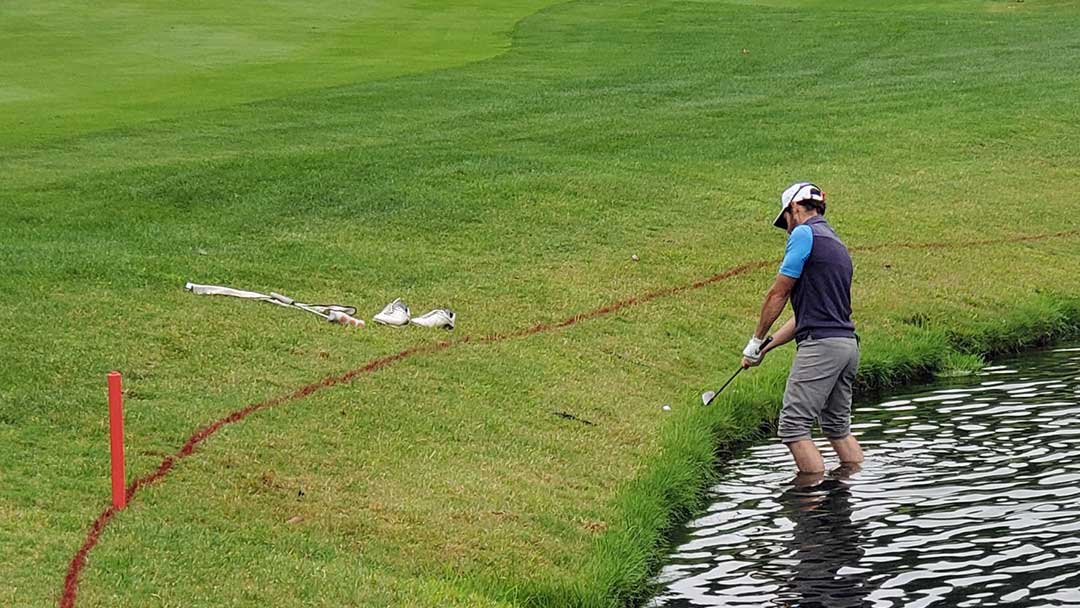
(440, 317)
(394, 313)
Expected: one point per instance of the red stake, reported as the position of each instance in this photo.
(116, 440)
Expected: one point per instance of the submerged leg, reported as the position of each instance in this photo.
(807, 480)
(848, 449)
(806, 455)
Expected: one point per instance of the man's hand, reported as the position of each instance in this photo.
(752, 354)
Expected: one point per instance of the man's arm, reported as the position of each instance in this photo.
(799, 245)
(782, 336)
(775, 300)
(770, 310)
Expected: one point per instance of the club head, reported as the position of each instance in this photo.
(707, 397)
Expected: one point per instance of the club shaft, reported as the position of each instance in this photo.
(737, 372)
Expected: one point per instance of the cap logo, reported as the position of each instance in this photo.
(815, 194)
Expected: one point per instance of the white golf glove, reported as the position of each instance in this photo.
(752, 352)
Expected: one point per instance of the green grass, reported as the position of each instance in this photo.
(72, 68)
(509, 177)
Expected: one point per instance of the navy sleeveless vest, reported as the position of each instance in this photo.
(821, 297)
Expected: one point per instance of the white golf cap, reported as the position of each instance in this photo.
(799, 191)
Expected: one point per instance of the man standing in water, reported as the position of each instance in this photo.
(816, 276)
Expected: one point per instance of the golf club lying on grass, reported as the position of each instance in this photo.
(331, 312)
(708, 396)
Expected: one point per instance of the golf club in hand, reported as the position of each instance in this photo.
(708, 396)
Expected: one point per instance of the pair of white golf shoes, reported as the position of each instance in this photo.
(397, 313)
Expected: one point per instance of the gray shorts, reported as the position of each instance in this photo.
(819, 388)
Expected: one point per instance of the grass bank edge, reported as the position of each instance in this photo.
(673, 487)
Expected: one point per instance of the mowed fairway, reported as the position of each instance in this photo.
(70, 68)
(504, 160)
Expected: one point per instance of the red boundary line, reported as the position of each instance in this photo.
(78, 562)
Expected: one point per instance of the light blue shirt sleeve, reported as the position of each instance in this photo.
(798, 249)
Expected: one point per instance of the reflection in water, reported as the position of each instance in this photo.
(970, 496)
(825, 544)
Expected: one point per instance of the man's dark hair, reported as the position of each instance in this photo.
(812, 204)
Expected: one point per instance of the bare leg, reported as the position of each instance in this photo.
(807, 457)
(848, 450)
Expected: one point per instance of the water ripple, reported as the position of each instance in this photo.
(970, 496)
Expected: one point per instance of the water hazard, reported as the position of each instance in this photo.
(970, 496)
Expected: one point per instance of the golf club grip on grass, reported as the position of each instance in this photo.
(333, 316)
(336, 316)
(282, 298)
